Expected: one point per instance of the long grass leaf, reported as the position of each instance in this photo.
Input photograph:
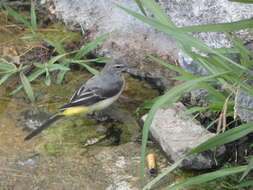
(193, 110)
(61, 74)
(31, 77)
(97, 60)
(53, 67)
(17, 16)
(57, 46)
(224, 138)
(224, 27)
(4, 78)
(139, 4)
(242, 1)
(91, 46)
(7, 66)
(47, 80)
(33, 17)
(26, 37)
(248, 169)
(207, 177)
(27, 86)
(158, 12)
(172, 67)
(60, 77)
(56, 58)
(89, 68)
(245, 184)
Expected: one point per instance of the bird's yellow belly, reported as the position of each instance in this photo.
(103, 104)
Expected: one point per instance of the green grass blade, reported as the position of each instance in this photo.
(27, 86)
(4, 78)
(207, 177)
(101, 60)
(57, 46)
(60, 77)
(56, 58)
(33, 17)
(193, 110)
(226, 50)
(244, 52)
(172, 67)
(159, 177)
(224, 27)
(158, 12)
(139, 4)
(242, 1)
(224, 138)
(32, 77)
(7, 66)
(17, 16)
(215, 93)
(89, 68)
(148, 104)
(39, 65)
(97, 60)
(26, 37)
(47, 80)
(54, 67)
(248, 169)
(61, 74)
(91, 46)
(245, 184)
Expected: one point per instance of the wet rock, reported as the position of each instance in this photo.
(155, 80)
(32, 118)
(178, 135)
(23, 162)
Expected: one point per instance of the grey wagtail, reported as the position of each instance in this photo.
(96, 94)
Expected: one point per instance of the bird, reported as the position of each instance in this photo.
(96, 94)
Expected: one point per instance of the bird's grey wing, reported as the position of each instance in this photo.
(93, 92)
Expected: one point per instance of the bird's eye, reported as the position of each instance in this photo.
(118, 66)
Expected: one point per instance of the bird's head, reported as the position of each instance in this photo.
(116, 66)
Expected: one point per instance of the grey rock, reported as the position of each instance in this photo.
(192, 12)
(30, 161)
(245, 101)
(32, 118)
(189, 65)
(178, 135)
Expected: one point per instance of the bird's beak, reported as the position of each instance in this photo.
(132, 66)
(129, 67)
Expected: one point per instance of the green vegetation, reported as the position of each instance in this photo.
(222, 71)
(59, 61)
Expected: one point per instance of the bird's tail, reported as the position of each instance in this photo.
(43, 126)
